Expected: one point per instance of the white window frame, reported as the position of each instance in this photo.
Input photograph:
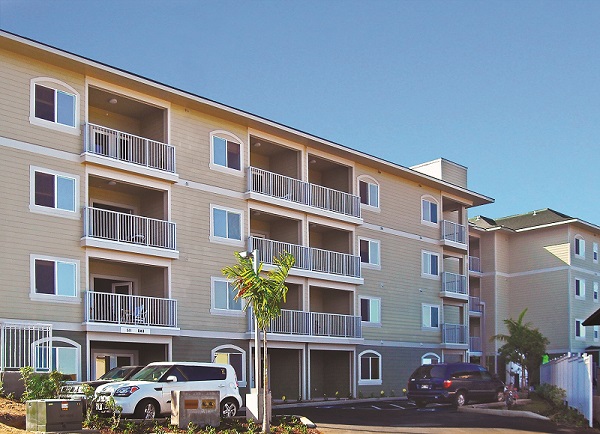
(581, 336)
(227, 136)
(581, 295)
(236, 350)
(596, 333)
(374, 303)
(579, 244)
(430, 200)
(75, 214)
(373, 244)
(595, 293)
(217, 310)
(223, 240)
(370, 381)
(428, 307)
(427, 272)
(57, 86)
(595, 252)
(33, 295)
(426, 358)
(371, 183)
(74, 348)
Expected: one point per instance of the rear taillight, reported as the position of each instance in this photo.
(447, 384)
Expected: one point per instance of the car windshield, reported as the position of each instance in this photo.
(117, 373)
(429, 371)
(151, 373)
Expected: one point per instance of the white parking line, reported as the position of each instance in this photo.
(397, 406)
(376, 408)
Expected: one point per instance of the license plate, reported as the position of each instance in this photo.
(425, 386)
(99, 406)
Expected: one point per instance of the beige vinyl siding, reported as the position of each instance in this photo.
(454, 173)
(538, 249)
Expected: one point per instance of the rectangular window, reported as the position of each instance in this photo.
(431, 316)
(369, 252)
(224, 296)
(595, 252)
(579, 288)
(430, 266)
(227, 224)
(429, 211)
(54, 105)
(580, 247)
(596, 334)
(54, 191)
(54, 277)
(369, 193)
(226, 153)
(579, 329)
(595, 292)
(370, 310)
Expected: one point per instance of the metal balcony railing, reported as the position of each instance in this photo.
(454, 232)
(454, 283)
(130, 148)
(103, 307)
(474, 264)
(24, 344)
(294, 190)
(308, 258)
(475, 304)
(475, 344)
(128, 228)
(454, 334)
(297, 322)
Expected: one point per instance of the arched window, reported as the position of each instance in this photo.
(234, 356)
(54, 104)
(430, 359)
(369, 367)
(65, 356)
(226, 152)
(429, 211)
(368, 190)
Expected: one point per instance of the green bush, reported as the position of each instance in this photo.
(40, 385)
(554, 394)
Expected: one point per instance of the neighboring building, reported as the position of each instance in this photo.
(544, 261)
(124, 198)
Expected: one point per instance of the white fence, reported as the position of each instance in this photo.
(573, 374)
(25, 345)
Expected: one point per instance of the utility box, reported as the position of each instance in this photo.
(54, 415)
(201, 408)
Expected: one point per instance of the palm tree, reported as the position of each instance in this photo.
(524, 345)
(265, 295)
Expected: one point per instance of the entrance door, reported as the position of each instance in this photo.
(105, 362)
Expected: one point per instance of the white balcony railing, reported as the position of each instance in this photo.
(454, 334)
(308, 258)
(130, 148)
(297, 322)
(475, 344)
(294, 190)
(454, 283)
(127, 228)
(474, 264)
(103, 307)
(24, 344)
(475, 304)
(454, 232)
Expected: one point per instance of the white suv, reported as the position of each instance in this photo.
(147, 394)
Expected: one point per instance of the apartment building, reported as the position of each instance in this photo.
(124, 198)
(545, 261)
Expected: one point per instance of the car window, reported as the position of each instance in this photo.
(179, 372)
(205, 373)
(465, 373)
(429, 371)
(485, 375)
(151, 373)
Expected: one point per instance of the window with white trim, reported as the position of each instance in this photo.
(53, 192)
(370, 310)
(369, 366)
(579, 247)
(430, 316)
(223, 298)
(65, 356)
(369, 193)
(595, 292)
(596, 333)
(226, 224)
(369, 252)
(595, 253)
(430, 264)
(579, 329)
(580, 288)
(234, 356)
(54, 104)
(430, 359)
(226, 151)
(54, 279)
(429, 211)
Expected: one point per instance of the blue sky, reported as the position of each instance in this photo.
(510, 89)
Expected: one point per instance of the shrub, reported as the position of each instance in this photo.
(553, 394)
(40, 386)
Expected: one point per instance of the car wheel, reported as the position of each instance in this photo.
(460, 399)
(229, 408)
(500, 395)
(146, 409)
(421, 404)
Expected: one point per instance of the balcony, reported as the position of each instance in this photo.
(129, 148)
(130, 310)
(454, 235)
(454, 286)
(303, 193)
(475, 306)
(106, 225)
(454, 334)
(297, 322)
(474, 264)
(475, 344)
(308, 258)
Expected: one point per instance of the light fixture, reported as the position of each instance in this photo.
(257, 144)
(112, 182)
(313, 161)
(112, 100)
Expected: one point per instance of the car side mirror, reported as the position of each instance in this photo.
(171, 379)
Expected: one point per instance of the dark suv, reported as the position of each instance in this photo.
(454, 383)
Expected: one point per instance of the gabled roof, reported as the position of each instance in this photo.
(528, 221)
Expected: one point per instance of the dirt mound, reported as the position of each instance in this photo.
(12, 416)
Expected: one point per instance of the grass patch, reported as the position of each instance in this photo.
(559, 414)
